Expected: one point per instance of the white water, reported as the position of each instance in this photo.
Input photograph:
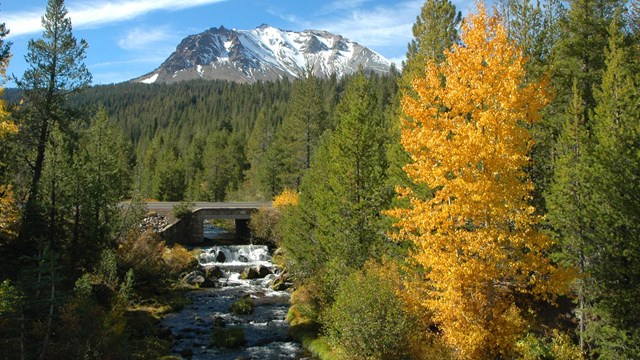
(236, 255)
(266, 330)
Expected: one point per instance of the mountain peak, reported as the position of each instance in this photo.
(264, 53)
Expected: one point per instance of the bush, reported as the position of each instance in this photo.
(288, 197)
(243, 306)
(180, 260)
(557, 347)
(183, 209)
(263, 225)
(143, 253)
(232, 337)
(367, 319)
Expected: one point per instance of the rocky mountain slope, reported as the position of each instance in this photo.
(264, 53)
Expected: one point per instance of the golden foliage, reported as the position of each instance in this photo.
(9, 212)
(179, 259)
(6, 127)
(286, 198)
(476, 237)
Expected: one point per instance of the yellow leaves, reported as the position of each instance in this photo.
(477, 236)
(9, 212)
(288, 197)
(6, 127)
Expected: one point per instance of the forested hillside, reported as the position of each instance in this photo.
(214, 140)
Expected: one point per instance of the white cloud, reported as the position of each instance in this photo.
(90, 13)
(341, 5)
(142, 39)
(380, 26)
(398, 61)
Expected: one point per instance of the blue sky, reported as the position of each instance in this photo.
(128, 38)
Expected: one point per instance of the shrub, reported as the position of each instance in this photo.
(179, 260)
(367, 319)
(227, 337)
(557, 347)
(286, 198)
(183, 209)
(263, 225)
(243, 306)
(143, 253)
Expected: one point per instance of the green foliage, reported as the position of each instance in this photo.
(264, 225)
(367, 319)
(559, 346)
(297, 139)
(244, 306)
(183, 209)
(144, 254)
(10, 298)
(337, 225)
(435, 30)
(231, 337)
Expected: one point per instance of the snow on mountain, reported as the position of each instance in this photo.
(264, 53)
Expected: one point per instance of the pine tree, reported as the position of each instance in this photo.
(55, 70)
(568, 206)
(337, 225)
(476, 237)
(435, 30)
(614, 182)
(297, 138)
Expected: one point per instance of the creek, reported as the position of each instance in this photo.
(265, 329)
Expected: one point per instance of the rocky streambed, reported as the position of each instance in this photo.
(237, 313)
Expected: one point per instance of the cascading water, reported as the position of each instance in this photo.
(265, 330)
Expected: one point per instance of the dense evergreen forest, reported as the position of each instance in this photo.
(483, 204)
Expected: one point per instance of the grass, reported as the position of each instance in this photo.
(307, 332)
(232, 337)
(243, 306)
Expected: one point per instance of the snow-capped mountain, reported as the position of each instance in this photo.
(264, 53)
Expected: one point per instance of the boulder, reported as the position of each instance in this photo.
(221, 257)
(218, 322)
(242, 258)
(263, 271)
(279, 284)
(187, 353)
(194, 278)
(165, 333)
(213, 272)
(249, 273)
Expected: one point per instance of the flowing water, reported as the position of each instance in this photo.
(265, 330)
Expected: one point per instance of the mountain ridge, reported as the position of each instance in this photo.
(262, 54)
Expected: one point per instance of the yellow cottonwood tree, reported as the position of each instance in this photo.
(476, 238)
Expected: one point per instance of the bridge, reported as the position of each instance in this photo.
(190, 229)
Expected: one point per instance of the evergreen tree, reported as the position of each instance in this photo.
(55, 70)
(99, 178)
(301, 129)
(435, 30)
(611, 313)
(338, 223)
(262, 164)
(568, 207)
